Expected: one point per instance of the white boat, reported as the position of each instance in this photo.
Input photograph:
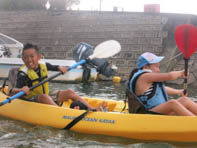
(73, 75)
(9, 47)
(10, 53)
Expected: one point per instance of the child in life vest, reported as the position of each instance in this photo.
(34, 71)
(147, 83)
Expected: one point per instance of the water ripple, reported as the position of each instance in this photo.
(16, 134)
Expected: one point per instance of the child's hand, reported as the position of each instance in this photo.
(181, 92)
(26, 90)
(63, 69)
(183, 74)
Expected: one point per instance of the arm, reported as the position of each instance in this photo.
(172, 91)
(145, 80)
(22, 84)
(158, 77)
(17, 90)
(51, 67)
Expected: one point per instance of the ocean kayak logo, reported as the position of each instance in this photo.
(91, 119)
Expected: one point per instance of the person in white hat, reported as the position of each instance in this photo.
(147, 83)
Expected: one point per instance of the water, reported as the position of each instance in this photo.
(17, 134)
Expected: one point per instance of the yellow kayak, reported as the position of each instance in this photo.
(113, 122)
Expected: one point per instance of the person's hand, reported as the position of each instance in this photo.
(25, 89)
(63, 69)
(181, 93)
(183, 74)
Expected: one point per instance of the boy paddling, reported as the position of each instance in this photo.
(34, 71)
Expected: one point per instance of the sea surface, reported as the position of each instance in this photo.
(17, 134)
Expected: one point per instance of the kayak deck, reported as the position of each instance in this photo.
(113, 122)
(112, 105)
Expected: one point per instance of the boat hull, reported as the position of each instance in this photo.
(73, 75)
(114, 123)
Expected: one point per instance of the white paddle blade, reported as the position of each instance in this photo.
(106, 49)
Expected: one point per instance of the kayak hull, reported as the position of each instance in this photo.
(113, 123)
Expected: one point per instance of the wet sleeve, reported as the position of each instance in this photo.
(51, 67)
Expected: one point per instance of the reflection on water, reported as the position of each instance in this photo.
(16, 134)
(100, 90)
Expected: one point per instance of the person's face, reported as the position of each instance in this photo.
(31, 58)
(154, 67)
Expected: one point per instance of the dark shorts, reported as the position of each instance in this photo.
(54, 95)
(79, 104)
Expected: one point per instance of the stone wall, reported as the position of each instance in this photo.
(56, 33)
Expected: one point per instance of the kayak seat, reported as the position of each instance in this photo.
(67, 103)
(135, 104)
(95, 103)
(12, 76)
(4, 89)
(92, 102)
(111, 106)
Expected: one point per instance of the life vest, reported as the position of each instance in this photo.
(35, 79)
(158, 95)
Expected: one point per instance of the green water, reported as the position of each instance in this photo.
(16, 134)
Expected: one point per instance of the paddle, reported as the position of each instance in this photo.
(185, 36)
(103, 50)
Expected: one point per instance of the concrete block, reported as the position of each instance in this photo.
(156, 41)
(145, 41)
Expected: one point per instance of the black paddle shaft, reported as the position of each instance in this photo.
(185, 79)
(46, 80)
(186, 52)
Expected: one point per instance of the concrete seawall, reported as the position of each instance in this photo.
(58, 32)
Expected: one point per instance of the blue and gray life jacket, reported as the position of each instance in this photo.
(157, 96)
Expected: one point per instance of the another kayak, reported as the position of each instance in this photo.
(113, 122)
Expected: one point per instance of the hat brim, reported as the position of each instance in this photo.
(157, 60)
